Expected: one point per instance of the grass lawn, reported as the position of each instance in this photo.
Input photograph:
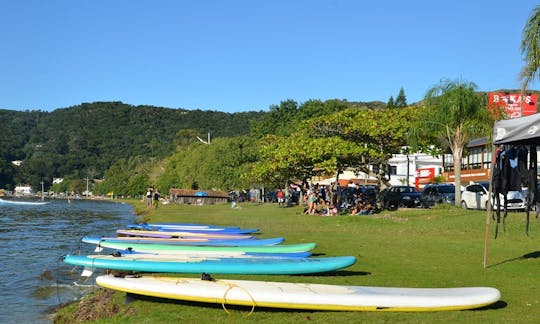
(440, 247)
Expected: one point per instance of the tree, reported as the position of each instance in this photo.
(401, 99)
(218, 166)
(456, 114)
(353, 138)
(279, 120)
(530, 48)
(391, 104)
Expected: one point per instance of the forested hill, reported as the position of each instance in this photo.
(88, 138)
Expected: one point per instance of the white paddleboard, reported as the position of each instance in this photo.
(22, 202)
(303, 295)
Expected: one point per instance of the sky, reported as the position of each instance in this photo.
(248, 55)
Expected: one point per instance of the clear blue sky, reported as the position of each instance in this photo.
(232, 56)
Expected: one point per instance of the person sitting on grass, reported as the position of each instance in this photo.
(362, 208)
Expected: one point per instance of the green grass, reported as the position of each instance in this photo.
(440, 247)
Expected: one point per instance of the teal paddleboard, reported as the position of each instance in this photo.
(259, 265)
(175, 248)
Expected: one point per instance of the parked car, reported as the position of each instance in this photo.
(370, 192)
(475, 196)
(401, 196)
(443, 193)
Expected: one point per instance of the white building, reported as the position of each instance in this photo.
(422, 169)
(57, 180)
(23, 190)
(418, 168)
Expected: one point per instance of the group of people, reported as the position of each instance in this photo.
(152, 198)
(330, 200)
(362, 207)
(318, 201)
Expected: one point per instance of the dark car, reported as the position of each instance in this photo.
(401, 196)
(370, 193)
(443, 193)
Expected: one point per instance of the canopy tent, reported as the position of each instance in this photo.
(517, 131)
(523, 131)
(347, 176)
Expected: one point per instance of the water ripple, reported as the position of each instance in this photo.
(33, 239)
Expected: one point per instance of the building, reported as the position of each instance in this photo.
(57, 180)
(476, 160)
(24, 190)
(415, 169)
(475, 164)
(198, 197)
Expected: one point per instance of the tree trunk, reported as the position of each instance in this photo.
(458, 153)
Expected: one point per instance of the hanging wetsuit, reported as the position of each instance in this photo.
(532, 183)
(497, 184)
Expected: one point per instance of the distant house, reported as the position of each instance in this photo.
(57, 180)
(24, 190)
(199, 197)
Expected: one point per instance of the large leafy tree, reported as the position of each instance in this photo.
(455, 113)
(353, 138)
(530, 48)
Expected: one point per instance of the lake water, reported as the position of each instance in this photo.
(33, 278)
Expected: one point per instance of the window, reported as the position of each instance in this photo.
(475, 158)
(448, 162)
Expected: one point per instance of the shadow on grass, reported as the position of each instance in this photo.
(338, 273)
(532, 255)
(497, 305)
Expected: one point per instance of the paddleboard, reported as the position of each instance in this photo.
(143, 256)
(174, 234)
(189, 225)
(181, 241)
(194, 229)
(260, 265)
(304, 295)
(191, 249)
(21, 202)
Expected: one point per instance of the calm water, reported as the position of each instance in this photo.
(33, 279)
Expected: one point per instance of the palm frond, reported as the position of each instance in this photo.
(530, 49)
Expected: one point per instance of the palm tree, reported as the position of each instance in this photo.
(530, 48)
(456, 114)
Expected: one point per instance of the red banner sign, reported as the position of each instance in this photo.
(423, 176)
(425, 173)
(511, 103)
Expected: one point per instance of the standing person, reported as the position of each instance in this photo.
(156, 199)
(280, 198)
(312, 203)
(149, 198)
